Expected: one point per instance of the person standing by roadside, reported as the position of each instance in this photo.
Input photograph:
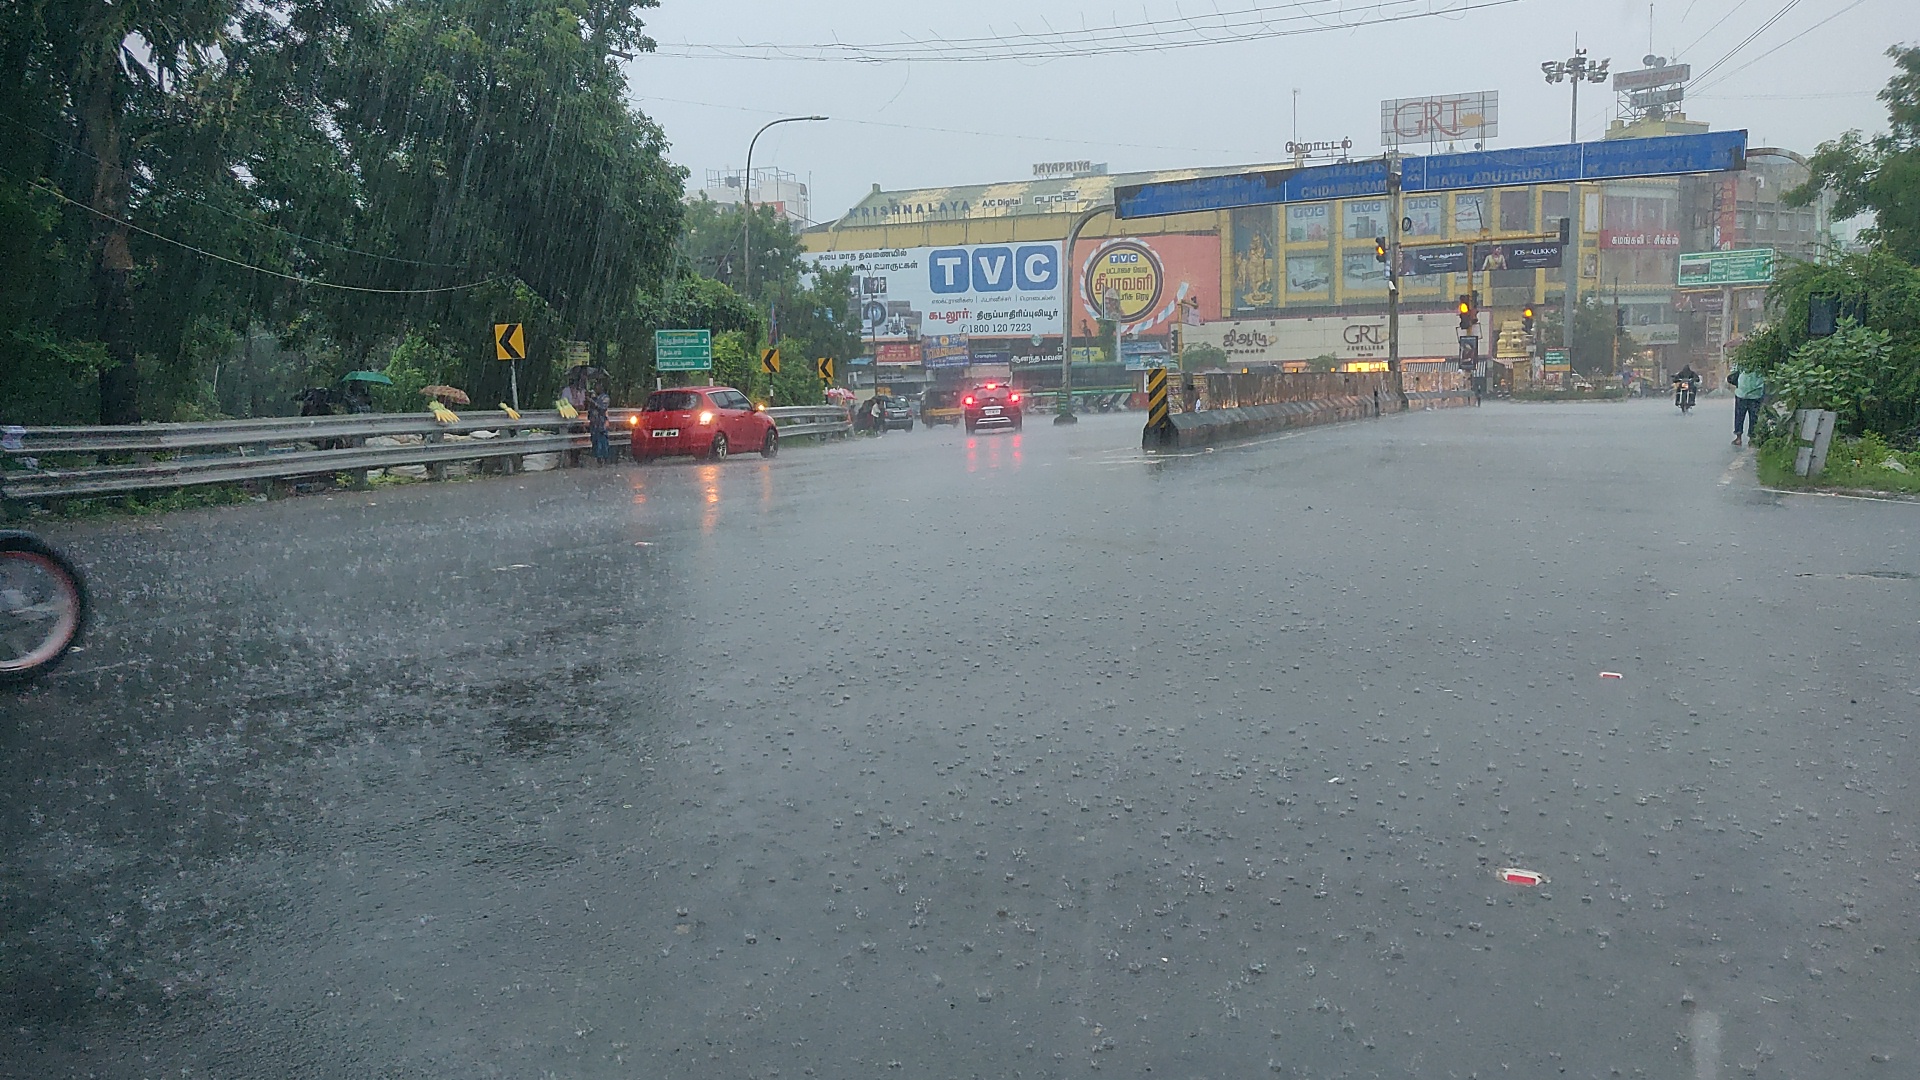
(598, 404)
(1749, 390)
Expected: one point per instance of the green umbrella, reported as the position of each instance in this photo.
(366, 376)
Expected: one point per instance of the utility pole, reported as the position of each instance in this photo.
(1575, 69)
(1393, 277)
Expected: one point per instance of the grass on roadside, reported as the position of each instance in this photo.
(134, 505)
(1852, 464)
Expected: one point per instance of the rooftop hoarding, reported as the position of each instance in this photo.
(976, 291)
(1470, 117)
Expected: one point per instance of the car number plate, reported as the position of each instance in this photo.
(666, 433)
(991, 410)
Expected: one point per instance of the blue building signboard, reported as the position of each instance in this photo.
(1617, 159)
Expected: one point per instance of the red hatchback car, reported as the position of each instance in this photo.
(702, 421)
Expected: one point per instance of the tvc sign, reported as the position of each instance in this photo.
(1030, 268)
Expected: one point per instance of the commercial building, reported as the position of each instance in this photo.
(970, 276)
(769, 186)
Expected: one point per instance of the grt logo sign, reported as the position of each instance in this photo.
(1029, 268)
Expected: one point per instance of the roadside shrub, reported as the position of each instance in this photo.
(1840, 373)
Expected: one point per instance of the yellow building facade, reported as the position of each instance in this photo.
(1297, 259)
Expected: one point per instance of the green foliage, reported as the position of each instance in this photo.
(713, 242)
(1881, 174)
(1594, 337)
(420, 360)
(1202, 357)
(1838, 372)
(733, 360)
(1885, 292)
(415, 146)
(1856, 464)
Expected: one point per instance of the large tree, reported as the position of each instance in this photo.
(1878, 175)
(84, 68)
(341, 172)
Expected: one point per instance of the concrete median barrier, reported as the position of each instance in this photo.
(1250, 421)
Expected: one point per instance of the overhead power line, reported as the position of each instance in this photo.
(318, 283)
(1725, 75)
(1050, 139)
(201, 201)
(1258, 23)
(1745, 41)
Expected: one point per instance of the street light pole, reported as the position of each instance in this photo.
(1393, 278)
(1063, 414)
(746, 194)
(1575, 69)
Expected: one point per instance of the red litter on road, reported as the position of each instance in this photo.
(1513, 875)
(1611, 675)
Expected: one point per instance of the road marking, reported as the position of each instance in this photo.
(1843, 495)
(1706, 1046)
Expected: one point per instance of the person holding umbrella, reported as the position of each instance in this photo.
(358, 389)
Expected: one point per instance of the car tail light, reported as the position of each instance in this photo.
(633, 419)
(1015, 399)
(969, 400)
(706, 418)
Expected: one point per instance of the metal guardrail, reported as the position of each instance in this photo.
(280, 448)
(812, 419)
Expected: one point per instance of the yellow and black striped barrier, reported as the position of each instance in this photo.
(1159, 429)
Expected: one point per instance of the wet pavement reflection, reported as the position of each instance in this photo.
(1017, 754)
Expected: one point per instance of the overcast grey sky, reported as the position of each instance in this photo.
(923, 123)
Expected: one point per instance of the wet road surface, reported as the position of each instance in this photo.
(1001, 756)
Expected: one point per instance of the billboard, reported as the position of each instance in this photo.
(1427, 335)
(1443, 118)
(896, 352)
(1425, 259)
(944, 350)
(1256, 258)
(1149, 275)
(1650, 77)
(982, 290)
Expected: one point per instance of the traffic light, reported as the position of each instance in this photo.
(1566, 231)
(1466, 311)
(1526, 319)
(1380, 249)
(1619, 320)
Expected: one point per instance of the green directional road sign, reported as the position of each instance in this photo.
(683, 350)
(1554, 360)
(1750, 266)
